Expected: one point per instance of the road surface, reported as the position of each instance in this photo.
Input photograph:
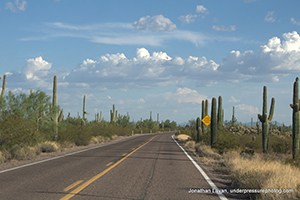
(143, 167)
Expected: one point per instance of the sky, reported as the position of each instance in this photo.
(161, 56)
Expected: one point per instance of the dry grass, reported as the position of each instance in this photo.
(257, 173)
(24, 153)
(183, 137)
(253, 172)
(102, 139)
(2, 158)
(47, 146)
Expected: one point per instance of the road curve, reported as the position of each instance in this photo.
(145, 167)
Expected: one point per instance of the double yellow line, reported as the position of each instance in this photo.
(84, 185)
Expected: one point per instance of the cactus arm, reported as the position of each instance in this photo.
(271, 110)
(61, 115)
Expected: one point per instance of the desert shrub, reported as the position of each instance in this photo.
(2, 158)
(22, 153)
(280, 145)
(15, 130)
(225, 142)
(80, 135)
(253, 179)
(48, 146)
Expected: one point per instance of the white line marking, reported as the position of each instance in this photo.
(212, 185)
(11, 169)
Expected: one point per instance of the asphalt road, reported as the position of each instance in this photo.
(144, 167)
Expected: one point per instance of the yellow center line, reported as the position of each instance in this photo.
(72, 185)
(109, 164)
(84, 185)
(124, 154)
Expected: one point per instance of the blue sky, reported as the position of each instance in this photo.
(160, 56)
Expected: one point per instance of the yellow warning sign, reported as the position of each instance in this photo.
(206, 120)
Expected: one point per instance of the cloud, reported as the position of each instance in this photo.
(119, 34)
(187, 19)
(248, 108)
(295, 22)
(234, 100)
(182, 95)
(201, 9)
(222, 28)
(155, 23)
(36, 69)
(274, 60)
(270, 16)
(14, 7)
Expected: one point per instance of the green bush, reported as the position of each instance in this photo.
(80, 135)
(15, 130)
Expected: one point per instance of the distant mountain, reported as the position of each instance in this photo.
(183, 124)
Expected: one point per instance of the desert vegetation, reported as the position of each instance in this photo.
(264, 156)
(32, 123)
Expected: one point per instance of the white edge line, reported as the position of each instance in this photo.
(212, 185)
(41, 161)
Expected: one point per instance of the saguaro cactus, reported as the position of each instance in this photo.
(265, 120)
(296, 114)
(198, 128)
(202, 115)
(150, 115)
(84, 111)
(54, 105)
(213, 126)
(220, 120)
(3, 87)
(233, 119)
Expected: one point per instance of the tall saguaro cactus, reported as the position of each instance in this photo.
(54, 105)
(233, 119)
(3, 92)
(84, 111)
(220, 115)
(3, 87)
(202, 115)
(296, 115)
(213, 126)
(265, 120)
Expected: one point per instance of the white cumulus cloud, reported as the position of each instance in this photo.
(155, 23)
(201, 9)
(188, 18)
(275, 59)
(36, 68)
